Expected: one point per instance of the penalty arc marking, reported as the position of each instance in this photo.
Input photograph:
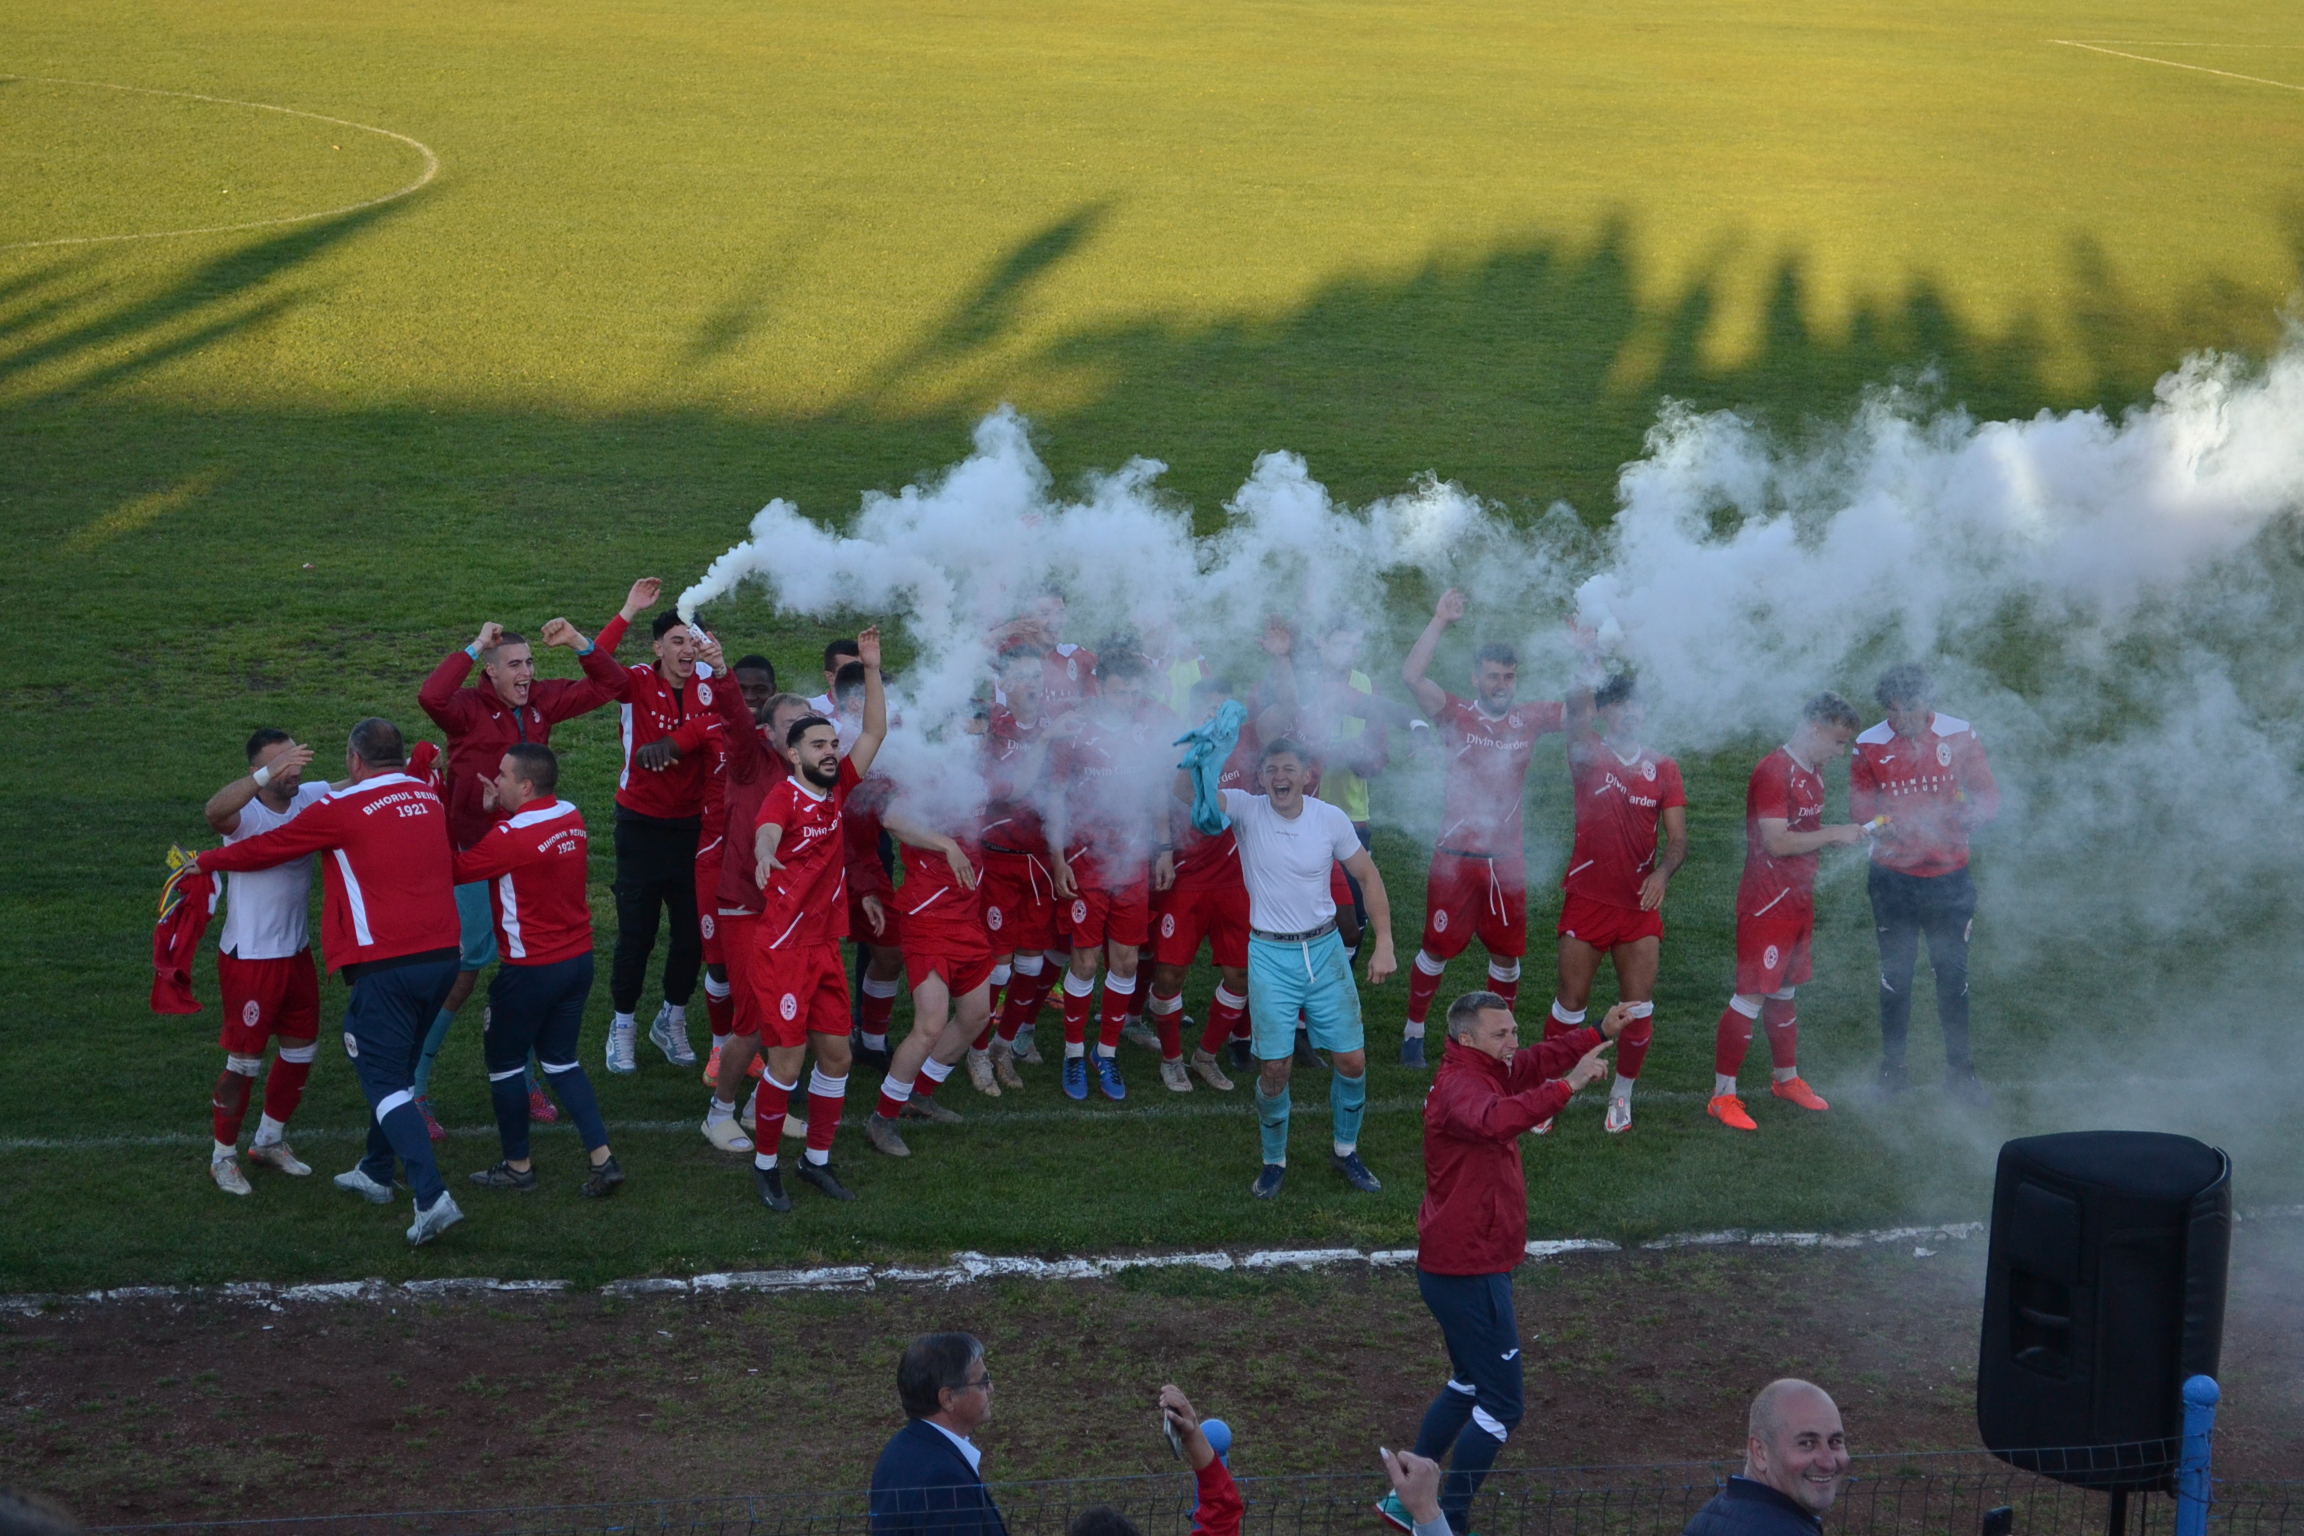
(2202, 69)
(423, 179)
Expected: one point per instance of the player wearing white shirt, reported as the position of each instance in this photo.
(1297, 963)
(264, 963)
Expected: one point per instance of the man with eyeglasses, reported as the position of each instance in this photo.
(928, 1481)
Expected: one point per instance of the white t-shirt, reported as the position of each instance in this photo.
(267, 911)
(1286, 862)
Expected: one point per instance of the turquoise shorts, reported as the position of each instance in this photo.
(478, 939)
(1314, 977)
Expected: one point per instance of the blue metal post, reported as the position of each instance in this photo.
(2192, 1498)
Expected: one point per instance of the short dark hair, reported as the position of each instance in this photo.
(1906, 683)
(265, 738)
(1496, 650)
(504, 638)
(1828, 708)
(933, 1363)
(1470, 1006)
(1619, 689)
(1102, 1520)
(1120, 663)
(848, 680)
(758, 663)
(537, 763)
(1283, 746)
(803, 726)
(838, 649)
(376, 741)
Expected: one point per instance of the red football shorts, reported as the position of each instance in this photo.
(263, 998)
(740, 945)
(891, 932)
(1772, 953)
(1466, 898)
(1098, 917)
(1019, 903)
(1185, 915)
(956, 951)
(801, 990)
(1604, 925)
(708, 907)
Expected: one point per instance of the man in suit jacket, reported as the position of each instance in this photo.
(927, 1481)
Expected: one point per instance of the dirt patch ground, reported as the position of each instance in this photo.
(154, 1410)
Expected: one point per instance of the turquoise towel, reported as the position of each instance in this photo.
(1210, 745)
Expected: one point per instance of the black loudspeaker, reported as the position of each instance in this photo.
(2105, 1292)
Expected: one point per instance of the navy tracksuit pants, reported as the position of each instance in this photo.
(540, 1008)
(1473, 1416)
(384, 1026)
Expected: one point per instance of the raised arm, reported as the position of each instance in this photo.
(443, 696)
(1430, 696)
(224, 807)
(875, 703)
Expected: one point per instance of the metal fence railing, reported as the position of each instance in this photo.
(1894, 1495)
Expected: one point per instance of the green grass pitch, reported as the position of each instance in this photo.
(684, 256)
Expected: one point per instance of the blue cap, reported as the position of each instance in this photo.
(1219, 1436)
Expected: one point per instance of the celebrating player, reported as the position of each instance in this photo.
(264, 962)
(389, 922)
(1479, 878)
(1296, 960)
(668, 717)
(947, 960)
(1616, 882)
(800, 864)
(1107, 857)
(1209, 901)
(756, 684)
(1019, 886)
(1926, 777)
(1784, 832)
(510, 705)
(533, 864)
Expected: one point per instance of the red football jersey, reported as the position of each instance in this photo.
(1488, 773)
(536, 862)
(806, 901)
(1011, 761)
(1618, 805)
(1110, 773)
(1932, 788)
(1067, 675)
(932, 898)
(1780, 789)
(860, 828)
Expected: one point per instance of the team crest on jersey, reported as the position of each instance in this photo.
(1769, 959)
(351, 1046)
(250, 1012)
(1072, 669)
(1080, 911)
(992, 918)
(1647, 770)
(1167, 929)
(704, 924)
(1440, 922)
(1944, 753)
(790, 1007)
(703, 693)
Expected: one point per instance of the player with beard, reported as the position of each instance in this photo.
(1019, 884)
(1478, 883)
(508, 705)
(1784, 833)
(800, 983)
(947, 961)
(1616, 879)
(755, 678)
(1208, 903)
(264, 962)
(1106, 826)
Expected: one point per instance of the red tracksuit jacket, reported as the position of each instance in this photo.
(1475, 1215)
(389, 878)
(535, 863)
(480, 725)
(653, 711)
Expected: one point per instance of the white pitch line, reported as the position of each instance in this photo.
(2175, 64)
(431, 166)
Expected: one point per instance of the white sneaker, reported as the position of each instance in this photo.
(795, 1128)
(1027, 1051)
(1211, 1071)
(1173, 1077)
(226, 1172)
(278, 1154)
(980, 1073)
(1619, 1115)
(620, 1047)
(1145, 1035)
(359, 1183)
(1543, 1128)
(430, 1224)
(727, 1135)
(671, 1038)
